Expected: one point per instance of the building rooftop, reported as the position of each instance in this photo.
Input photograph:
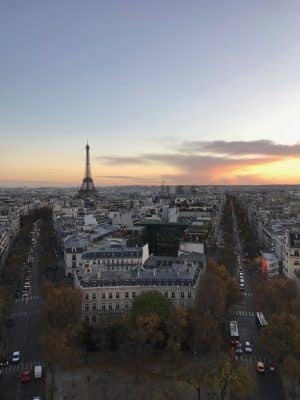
(179, 273)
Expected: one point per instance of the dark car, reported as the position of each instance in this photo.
(26, 376)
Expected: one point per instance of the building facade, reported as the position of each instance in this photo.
(109, 292)
(291, 266)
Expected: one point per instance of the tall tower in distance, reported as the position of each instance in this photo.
(87, 188)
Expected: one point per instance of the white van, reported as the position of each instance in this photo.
(37, 372)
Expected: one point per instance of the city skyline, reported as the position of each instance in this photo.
(197, 93)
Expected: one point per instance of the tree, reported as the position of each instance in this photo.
(63, 307)
(177, 329)
(276, 296)
(291, 369)
(151, 302)
(232, 379)
(206, 334)
(281, 336)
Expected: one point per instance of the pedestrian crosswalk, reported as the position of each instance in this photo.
(266, 359)
(243, 313)
(248, 294)
(22, 314)
(19, 367)
(27, 299)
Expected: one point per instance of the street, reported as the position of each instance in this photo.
(269, 385)
(23, 336)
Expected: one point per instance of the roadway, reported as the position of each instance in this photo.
(269, 385)
(24, 336)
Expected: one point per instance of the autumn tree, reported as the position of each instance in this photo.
(231, 379)
(281, 336)
(291, 370)
(277, 295)
(177, 326)
(63, 307)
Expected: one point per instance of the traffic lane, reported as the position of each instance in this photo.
(10, 386)
(270, 386)
(32, 348)
(31, 389)
(16, 335)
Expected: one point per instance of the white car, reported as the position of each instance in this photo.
(242, 282)
(248, 348)
(16, 357)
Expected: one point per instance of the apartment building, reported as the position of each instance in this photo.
(111, 291)
(291, 266)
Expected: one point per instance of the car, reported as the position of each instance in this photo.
(272, 367)
(248, 348)
(238, 349)
(260, 367)
(3, 362)
(242, 288)
(16, 356)
(36, 398)
(242, 281)
(26, 376)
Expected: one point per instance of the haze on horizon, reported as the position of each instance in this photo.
(196, 92)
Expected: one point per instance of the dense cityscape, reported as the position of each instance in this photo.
(167, 291)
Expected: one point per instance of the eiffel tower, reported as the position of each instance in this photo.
(87, 188)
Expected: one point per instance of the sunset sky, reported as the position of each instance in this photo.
(189, 92)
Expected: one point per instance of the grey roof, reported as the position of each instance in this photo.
(78, 240)
(178, 274)
(115, 250)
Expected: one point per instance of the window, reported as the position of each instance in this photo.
(189, 294)
(133, 294)
(103, 296)
(94, 306)
(117, 295)
(117, 306)
(110, 295)
(189, 306)
(103, 307)
(87, 296)
(94, 296)
(166, 294)
(110, 307)
(182, 294)
(126, 294)
(86, 307)
(94, 318)
(87, 320)
(173, 294)
(126, 305)
(297, 253)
